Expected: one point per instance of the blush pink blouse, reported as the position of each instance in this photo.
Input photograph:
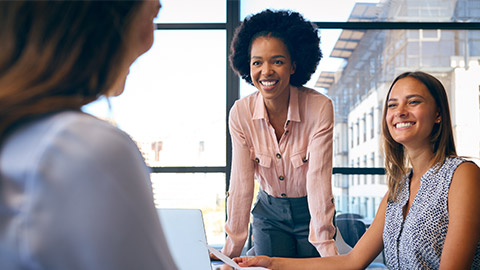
(298, 165)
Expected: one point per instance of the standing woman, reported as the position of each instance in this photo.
(75, 192)
(429, 218)
(282, 137)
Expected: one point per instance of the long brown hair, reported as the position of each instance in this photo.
(441, 138)
(58, 55)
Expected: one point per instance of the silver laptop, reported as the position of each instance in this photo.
(185, 233)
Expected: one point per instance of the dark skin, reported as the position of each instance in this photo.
(270, 69)
(277, 120)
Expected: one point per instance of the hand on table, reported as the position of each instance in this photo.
(262, 261)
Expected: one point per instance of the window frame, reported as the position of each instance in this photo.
(233, 81)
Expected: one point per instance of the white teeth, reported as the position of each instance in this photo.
(269, 83)
(403, 125)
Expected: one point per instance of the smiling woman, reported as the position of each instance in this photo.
(416, 115)
(282, 137)
(428, 218)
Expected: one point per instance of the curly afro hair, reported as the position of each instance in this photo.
(299, 35)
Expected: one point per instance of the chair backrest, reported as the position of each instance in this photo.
(351, 230)
(349, 216)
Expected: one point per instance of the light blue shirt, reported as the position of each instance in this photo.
(75, 193)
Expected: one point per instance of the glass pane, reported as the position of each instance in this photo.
(359, 92)
(373, 10)
(359, 65)
(171, 107)
(198, 191)
(192, 11)
(338, 10)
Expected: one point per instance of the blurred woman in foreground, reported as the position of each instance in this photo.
(74, 190)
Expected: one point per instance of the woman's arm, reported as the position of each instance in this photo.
(241, 188)
(464, 220)
(319, 180)
(364, 252)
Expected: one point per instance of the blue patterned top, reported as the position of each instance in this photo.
(417, 242)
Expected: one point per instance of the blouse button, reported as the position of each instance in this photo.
(286, 132)
(278, 156)
(283, 195)
(257, 160)
(288, 122)
(305, 160)
(281, 178)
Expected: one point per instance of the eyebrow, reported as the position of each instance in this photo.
(275, 56)
(408, 97)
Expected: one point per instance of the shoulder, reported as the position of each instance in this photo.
(245, 107)
(247, 101)
(465, 180)
(455, 167)
(70, 139)
(312, 95)
(84, 132)
(314, 107)
(313, 101)
(467, 171)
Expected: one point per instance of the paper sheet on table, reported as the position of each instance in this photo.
(229, 261)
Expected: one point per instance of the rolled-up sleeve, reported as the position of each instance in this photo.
(319, 184)
(241, 188)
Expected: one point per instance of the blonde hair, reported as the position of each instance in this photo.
(441, 137)
(58, 55)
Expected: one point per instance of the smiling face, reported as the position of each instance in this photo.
(271, 67)
(411, 113)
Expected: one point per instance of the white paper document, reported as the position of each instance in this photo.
(229, 261)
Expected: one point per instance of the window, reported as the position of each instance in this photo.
(352, 177)
(364, 122)
(372, 123)
(351, 135)
(190, 11)
(372, 164)
(178, 94)
(358, 166)
(365, 165)
(357, 127)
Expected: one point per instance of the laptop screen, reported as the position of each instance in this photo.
(185, 233)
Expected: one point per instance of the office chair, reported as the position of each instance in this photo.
(351, 230)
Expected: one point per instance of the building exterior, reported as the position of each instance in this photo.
(373, 58)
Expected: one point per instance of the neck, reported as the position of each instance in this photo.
(278, 105)
(421, 160)
(276, 109)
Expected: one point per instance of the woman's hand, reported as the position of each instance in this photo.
(263, 261)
